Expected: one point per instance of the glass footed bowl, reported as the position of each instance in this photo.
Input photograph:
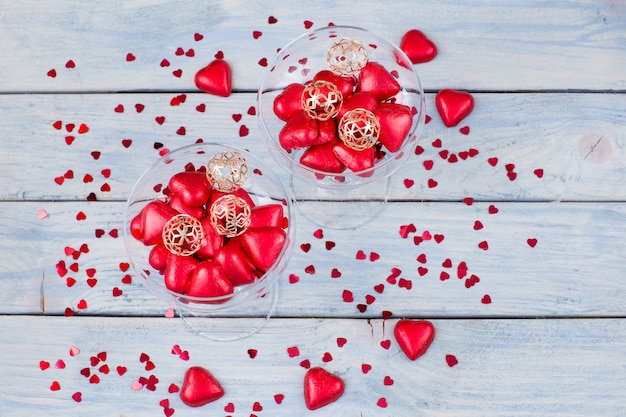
(263, 188)
(368, 64)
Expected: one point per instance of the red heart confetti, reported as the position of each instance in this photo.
(451, 360)
(293, 351)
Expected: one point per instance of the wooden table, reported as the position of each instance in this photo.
(91, 94)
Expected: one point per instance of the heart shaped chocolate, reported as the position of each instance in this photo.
(289, 102)
(191, 187)
(395, 123)
(376, 80)
(215, 78)
(453, 106)
(235, 262)
(418, 47)
(322, 157)
(153, 218)
(414, 336)
(209, 280)
(178, 270)
(355, 160)
(212, 241)
(263, 245)
(158, 257)
(343, 84)
(365, 101)
(300, 131)
(321, 388)
(200, 387)
(266, 215)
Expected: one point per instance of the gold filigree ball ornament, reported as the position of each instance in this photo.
(359, 129)
(227, 171)
(346, 57)
(183, 235)
(230, 215)
(321, 100)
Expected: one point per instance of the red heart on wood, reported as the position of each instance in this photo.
(418, 47)
(395, 123)
(376, 80)
(322, 158)
(215, 78)
(289, 102)
(209, 280)
(321, 388)
(414, 336)
(453, 106)
(200, 387)
(263, 245)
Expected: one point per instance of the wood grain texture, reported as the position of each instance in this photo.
(505, 367)
(577, 140)
(511, 46)
(575, 269)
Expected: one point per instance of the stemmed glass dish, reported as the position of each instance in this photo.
(341, 110)
(209, 228)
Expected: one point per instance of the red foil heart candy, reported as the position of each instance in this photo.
(200, 387)
(414, 336)
(418, 47)
(453, 106)
(376, 80)
(289, 102)
(215, 78)
(395, 124)
(321, 388)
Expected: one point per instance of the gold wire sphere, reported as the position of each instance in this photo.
(183, 235)
(346, 57)
(227, 171)
(321, 100)
(230, 215)
(359, 129)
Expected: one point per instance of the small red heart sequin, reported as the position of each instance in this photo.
(453, 106)
(321, 388)
(451, 360)
(414, 336)
(215, 78)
